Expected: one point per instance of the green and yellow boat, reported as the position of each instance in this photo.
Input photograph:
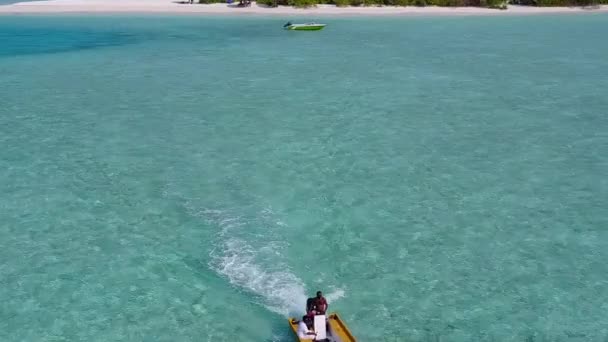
(304, 27)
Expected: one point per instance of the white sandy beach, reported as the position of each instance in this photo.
(174, 7)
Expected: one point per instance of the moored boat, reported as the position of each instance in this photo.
(304, 27)
(328, 328)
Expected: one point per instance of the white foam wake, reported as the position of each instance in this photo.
(334, 295)
(255, 263)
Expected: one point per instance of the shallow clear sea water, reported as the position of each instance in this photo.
(195, 178)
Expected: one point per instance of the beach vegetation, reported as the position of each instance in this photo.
(341, 3)
(374, 2)
(303, 3)
(356, 3)
(398, 2)
(269, 3)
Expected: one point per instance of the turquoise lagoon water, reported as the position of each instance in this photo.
(195, 178)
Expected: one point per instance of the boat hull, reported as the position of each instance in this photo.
(306, 27)
(337, 330)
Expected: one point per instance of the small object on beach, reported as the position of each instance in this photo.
(244, 3)
(304, 27)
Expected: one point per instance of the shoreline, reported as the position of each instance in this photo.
(174, 7)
